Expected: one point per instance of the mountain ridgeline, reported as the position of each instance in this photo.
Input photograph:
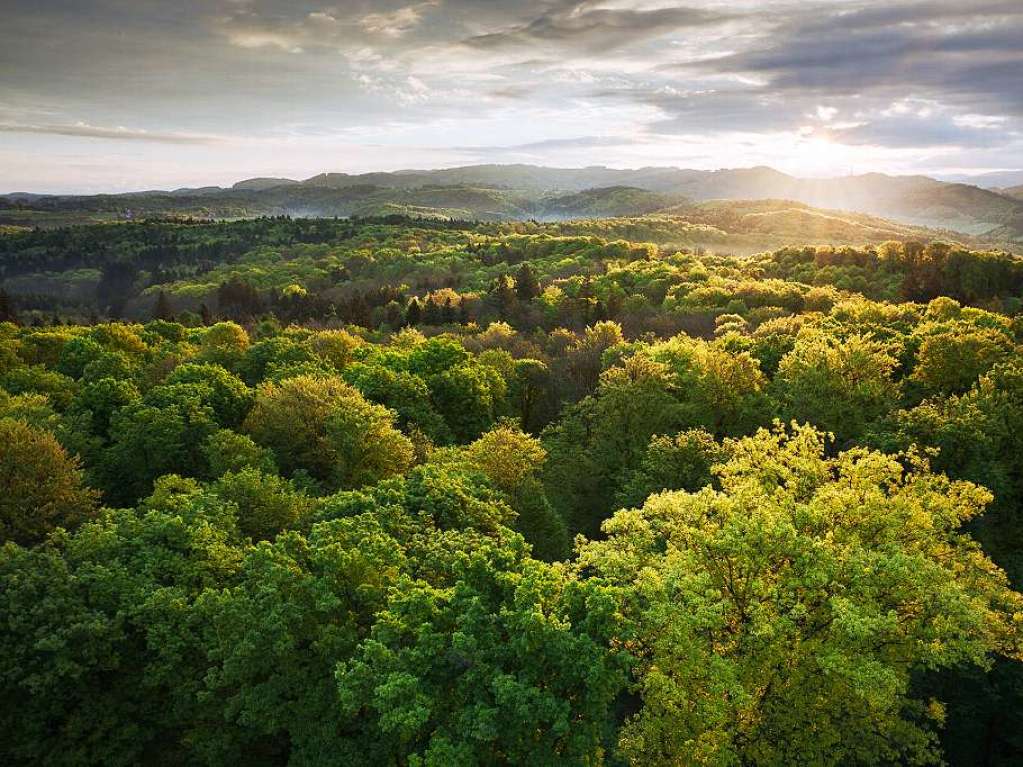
(509, 192)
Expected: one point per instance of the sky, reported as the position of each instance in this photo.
(117, 95)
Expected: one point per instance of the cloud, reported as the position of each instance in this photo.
(586, 26)
(916, 131)
(396, 23)
(966, 54)
(281, 27)
(920, 83)
(84, 130)
(574, 142)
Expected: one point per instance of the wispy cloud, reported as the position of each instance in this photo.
(588, 26)
(84, 130)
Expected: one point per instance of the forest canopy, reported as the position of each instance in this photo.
(382, 491)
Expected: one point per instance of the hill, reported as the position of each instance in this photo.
(607, 201)
(503, 192)
(787, 221)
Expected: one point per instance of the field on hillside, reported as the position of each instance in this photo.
(725, 484)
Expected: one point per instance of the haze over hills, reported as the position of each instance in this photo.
(997, 180)
(502, 192)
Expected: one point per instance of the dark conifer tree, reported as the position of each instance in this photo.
(432, 315)
(414, 312)
(7, 311)
(450, 314)
(163, 309)
(526, 285)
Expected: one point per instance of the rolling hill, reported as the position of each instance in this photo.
(504, 192)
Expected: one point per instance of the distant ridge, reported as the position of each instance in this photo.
(517, 191)
(997, 180)
(259, 184)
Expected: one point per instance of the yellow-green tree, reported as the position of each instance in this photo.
(40, 485)
(325, 427)
(779, 619)
(841, 385)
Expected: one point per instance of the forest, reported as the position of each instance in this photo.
(433, 492)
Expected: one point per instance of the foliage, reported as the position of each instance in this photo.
(40, 485)
(346, 479)
(785, 613)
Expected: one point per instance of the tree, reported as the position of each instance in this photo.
(162, 309)
(502, 296)
(512, 461)
(469, 396)
(720, 390)
(266, 503)
(226, 450)
(531, 395)
(681, 462)
(335, 347)
(841, 385)
(414, 312)
(272, 642)
(364, 443)
(226, 394)
(41, 486)
(101, 664)
(526, 285)
(433, 313)
(585, 358)
(952, 359)
(116, 285)
(162, 434)
(101, 399)
(783, 616)
(224, 344)
(438, 682)
(8, 312)
(604, 437)
(325, 427)
(240, 298)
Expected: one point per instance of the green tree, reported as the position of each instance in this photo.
(527, 287)
(841, 385)
(162, 434)
(40, 485)
(328, 429)
(783, 616)
(680, 462)
(438, 682)
(226, 450)
(266, 503)
(225, 344)
(469, 397)
(951, 360)
(512, 461)
(228, 396)
(605, 436)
